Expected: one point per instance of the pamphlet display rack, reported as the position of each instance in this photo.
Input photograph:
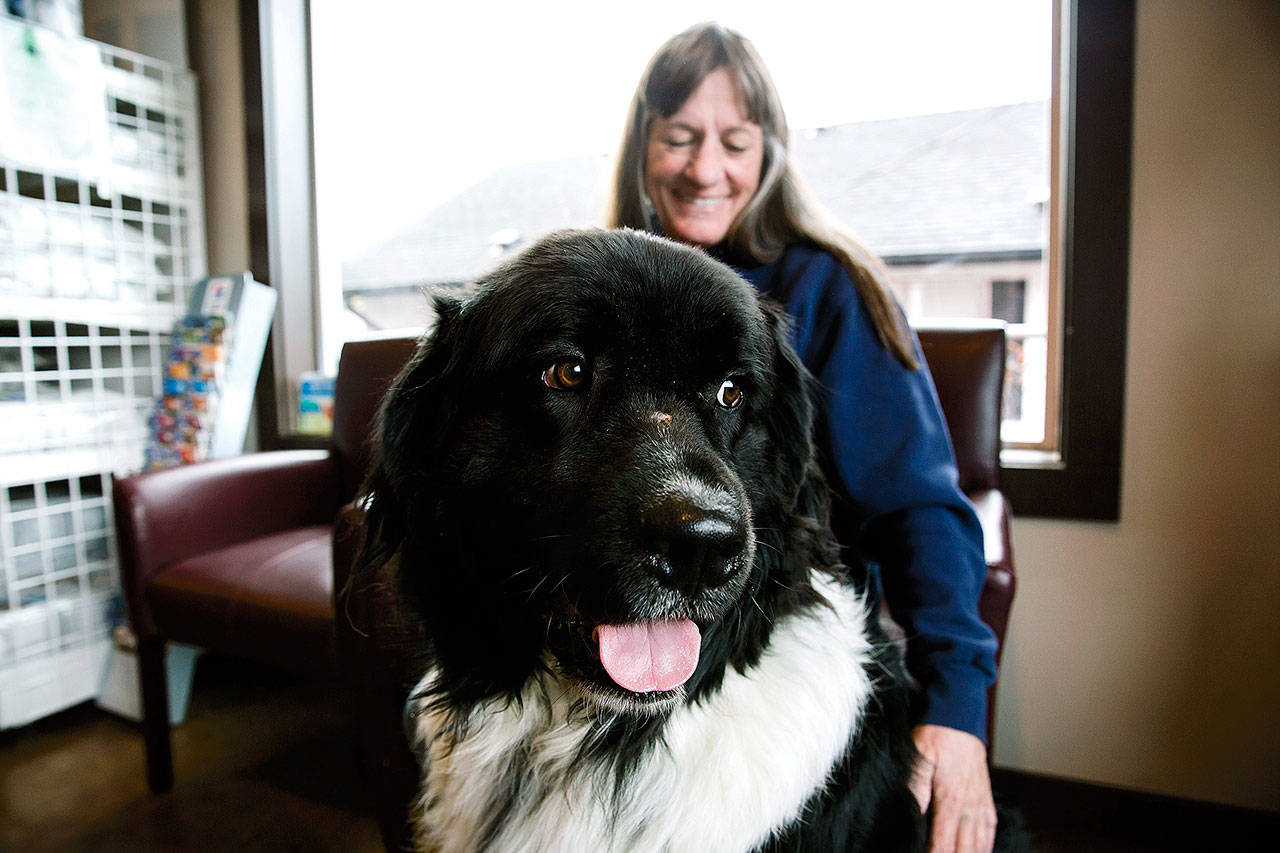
(97, 260)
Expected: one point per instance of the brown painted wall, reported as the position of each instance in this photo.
(1146, 653)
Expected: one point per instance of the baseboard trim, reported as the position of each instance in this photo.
(1060, 809)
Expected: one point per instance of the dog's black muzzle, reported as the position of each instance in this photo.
(686, 519)
(694, 540)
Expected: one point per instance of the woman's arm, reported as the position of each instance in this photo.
(885, 447)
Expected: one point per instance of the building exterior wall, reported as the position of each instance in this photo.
(963, 289)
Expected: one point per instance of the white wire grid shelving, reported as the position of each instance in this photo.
(95, 266)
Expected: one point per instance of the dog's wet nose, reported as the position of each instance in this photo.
(691, 547)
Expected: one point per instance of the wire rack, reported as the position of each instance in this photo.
(95, 265)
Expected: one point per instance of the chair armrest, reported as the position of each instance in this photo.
(377, 644)
(377, 651)
(348, 536)
(163, 517)
(996, 599)
(994, 514)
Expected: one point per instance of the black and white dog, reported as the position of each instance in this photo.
(597, 482)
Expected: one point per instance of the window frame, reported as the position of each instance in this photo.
(276, 59)
(1082, 481)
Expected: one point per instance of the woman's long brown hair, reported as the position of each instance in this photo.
(783, 210)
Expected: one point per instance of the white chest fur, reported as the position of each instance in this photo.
(734, 768)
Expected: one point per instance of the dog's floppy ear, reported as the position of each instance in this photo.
(789, 417)
(407, 436)
(412, 418)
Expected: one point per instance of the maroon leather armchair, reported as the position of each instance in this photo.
(236, 555)
(968, 370)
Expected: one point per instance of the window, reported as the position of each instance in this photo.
(939, 157)
(565, 184)
(1009, 300)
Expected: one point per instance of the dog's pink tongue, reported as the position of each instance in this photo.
(646, 656)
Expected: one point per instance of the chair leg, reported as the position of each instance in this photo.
(155, 714)
(388, 763)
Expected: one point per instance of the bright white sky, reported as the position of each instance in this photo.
(417, 100)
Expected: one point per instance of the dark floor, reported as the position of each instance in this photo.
(263, 762)
(267, 762)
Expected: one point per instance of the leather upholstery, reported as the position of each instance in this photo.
(377, 669)
(166, 517)
(997, 595)
(365, 371)
(237, 554)
(263, 598)
(968, 372)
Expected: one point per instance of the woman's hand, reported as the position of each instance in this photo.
(952, 775)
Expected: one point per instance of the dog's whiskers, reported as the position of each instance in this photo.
(758, 607)
(564, 577)
(533, 592)
(518, 572)
(559, 584)
(763, 543)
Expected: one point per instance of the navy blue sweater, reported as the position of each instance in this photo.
(885, 445)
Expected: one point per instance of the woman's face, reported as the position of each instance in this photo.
(703, 162)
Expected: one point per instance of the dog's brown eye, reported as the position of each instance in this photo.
(565, 376)
(729, 395)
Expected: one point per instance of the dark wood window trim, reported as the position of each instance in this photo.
(1085, 482)
(265, 410)
(273, 431)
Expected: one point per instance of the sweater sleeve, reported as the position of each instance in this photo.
(885, 443)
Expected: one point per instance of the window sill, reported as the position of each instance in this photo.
(1021, 457)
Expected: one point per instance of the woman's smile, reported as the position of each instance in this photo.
(703, 162)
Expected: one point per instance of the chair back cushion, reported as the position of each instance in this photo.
(365, 372)
(968, 370)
